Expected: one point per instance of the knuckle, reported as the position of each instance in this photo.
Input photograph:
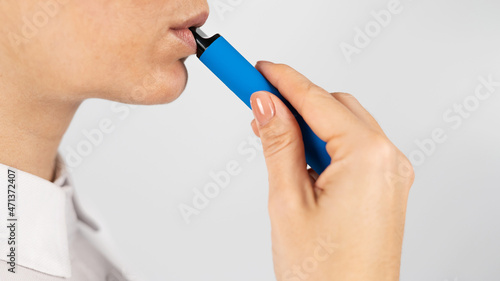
(312, 95)
(282, 74)
(341, 95)
(275, 139)
(381, 146)
(383, 155)
(380, 149)
(283, 67)
(308, 86)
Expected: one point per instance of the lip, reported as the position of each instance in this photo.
(182, 31)
(187, 38)
(197, 20)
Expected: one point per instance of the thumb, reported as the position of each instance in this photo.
(283, 147)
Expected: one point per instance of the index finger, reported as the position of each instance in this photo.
(327, 117)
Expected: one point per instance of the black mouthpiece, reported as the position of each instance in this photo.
(201, 41)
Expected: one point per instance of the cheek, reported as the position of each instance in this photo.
(125, 60)
(99, 49)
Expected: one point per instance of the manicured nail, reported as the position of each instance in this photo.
(263, 108)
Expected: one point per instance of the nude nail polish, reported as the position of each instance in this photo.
(263, 108)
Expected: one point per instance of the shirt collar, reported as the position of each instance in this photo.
(47, 214)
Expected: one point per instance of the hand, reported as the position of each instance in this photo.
(348, 222)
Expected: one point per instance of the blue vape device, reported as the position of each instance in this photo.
(243, 79)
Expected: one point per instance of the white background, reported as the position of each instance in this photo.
(426, 60)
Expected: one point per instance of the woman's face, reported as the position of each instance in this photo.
(122, 50)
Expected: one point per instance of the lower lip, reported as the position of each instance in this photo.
(187, 37)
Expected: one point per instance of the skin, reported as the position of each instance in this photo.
(88, 49)
(347, 223)
(354, 212)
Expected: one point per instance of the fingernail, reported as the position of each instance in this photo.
(263, 108)
(264, 62)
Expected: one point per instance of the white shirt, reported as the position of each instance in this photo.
(50, 242)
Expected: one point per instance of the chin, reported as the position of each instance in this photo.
(160, 86)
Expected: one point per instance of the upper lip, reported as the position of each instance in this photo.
(196, 20)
